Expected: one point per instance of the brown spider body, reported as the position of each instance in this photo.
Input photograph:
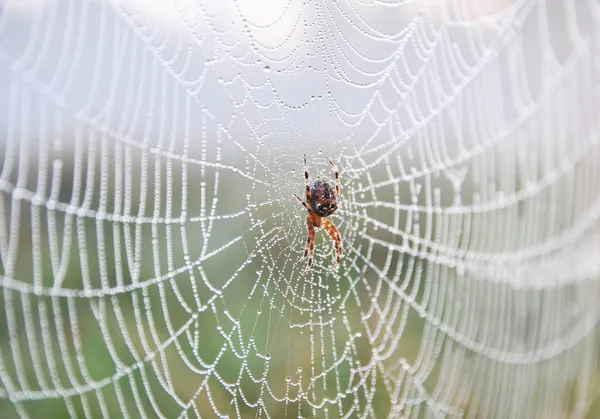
(321, 202)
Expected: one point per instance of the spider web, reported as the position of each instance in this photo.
(149, 234)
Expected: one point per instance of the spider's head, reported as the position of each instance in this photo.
(322, 198)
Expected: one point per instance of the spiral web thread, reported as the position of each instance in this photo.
(149, 233)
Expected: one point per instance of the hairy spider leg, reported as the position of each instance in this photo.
(334, 233)
(309, 223)
(305, 205)
(337, 178)
(310, 245)
(306, 182)
(310, 240)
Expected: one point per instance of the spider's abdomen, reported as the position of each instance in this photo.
(322, 198)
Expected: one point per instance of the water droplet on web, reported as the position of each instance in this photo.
(288, 378)
(267, 69)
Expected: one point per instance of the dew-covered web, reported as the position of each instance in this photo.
(149, 234)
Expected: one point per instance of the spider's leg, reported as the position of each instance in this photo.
(311, 251)
(306, 182)
(336, 237)
(310, 245)
(311, 235)
(308, 240)
(304, 203)
(337, 178)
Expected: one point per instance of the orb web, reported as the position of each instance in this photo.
(149, 234)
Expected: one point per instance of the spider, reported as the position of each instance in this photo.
(321, 202)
